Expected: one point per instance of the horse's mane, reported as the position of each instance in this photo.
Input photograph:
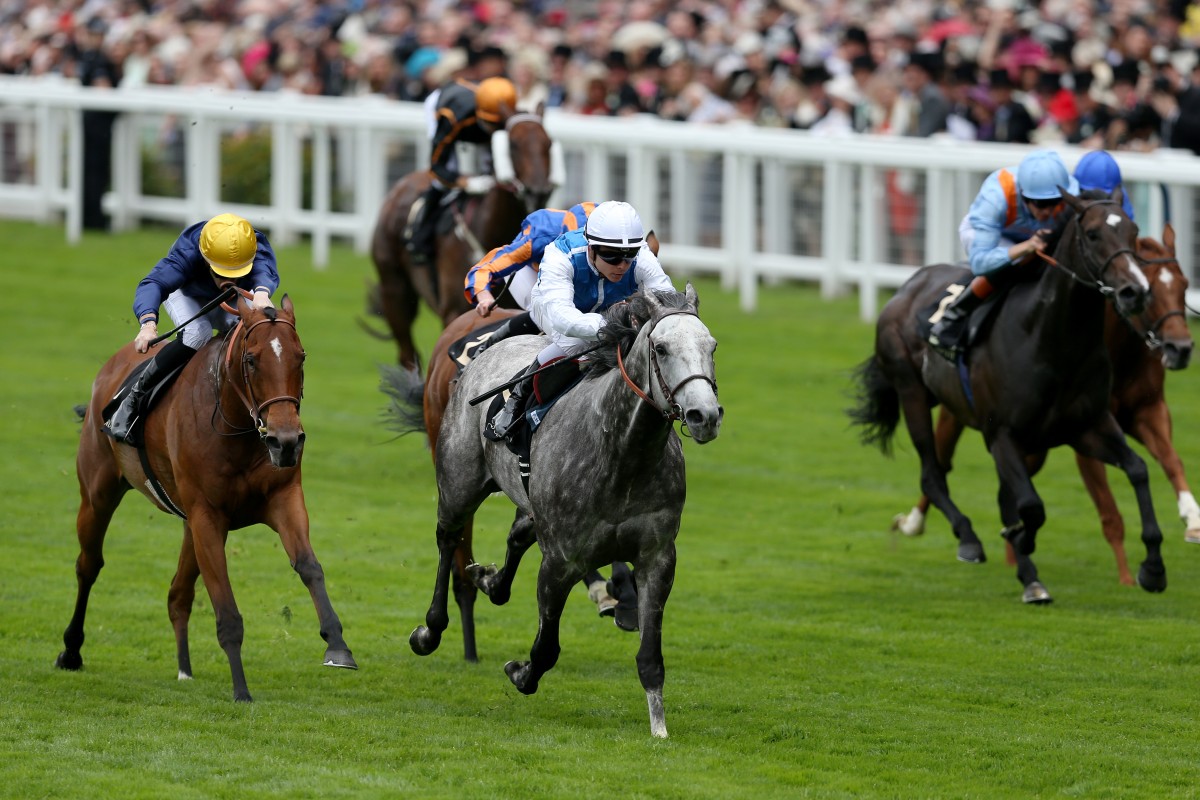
(622, 323)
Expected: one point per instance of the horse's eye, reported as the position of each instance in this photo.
(660, 349)
(249, 359)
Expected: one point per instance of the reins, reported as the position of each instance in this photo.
(673, 411)
(1096, 276)
(255, 408)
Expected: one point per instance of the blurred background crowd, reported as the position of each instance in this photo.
(1123, 74)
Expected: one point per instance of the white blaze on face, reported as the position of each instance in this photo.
(1137, 273)
(1113, 220)
(1166, 278)
(277, 349)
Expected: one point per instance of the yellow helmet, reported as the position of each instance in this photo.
(228, 244)
(491, 94)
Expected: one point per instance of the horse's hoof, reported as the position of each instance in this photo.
(971, 553)
(1192, 536)
(606, 604)
(910, 524)
(339, 658)
(1036, 593)
(242, 698)
(1152, 579)
(424, 641)
(478, 574)
(626, 618)
(69, 660)
(518, 673)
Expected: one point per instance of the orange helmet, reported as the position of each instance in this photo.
(491, 94)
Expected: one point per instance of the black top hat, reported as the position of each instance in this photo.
(1049, 82)
(816, 74)
(1126, 72)
(1083, 80)
(562, 51)
(965, 72)
(862, 62)
(490, 51)
(855, 34)
(929, 62)
(1000, 79)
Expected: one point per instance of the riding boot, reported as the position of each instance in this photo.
(519, 325)
(514, 407)
(421, 245)
(121, 424)
(948, 331)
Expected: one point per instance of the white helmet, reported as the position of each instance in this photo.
(614, 224)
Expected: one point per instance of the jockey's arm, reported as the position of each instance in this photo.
(986, 218)
(553, 303)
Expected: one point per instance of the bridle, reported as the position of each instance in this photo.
(1095, 276)
(247, 397)
(513, 183)
(1150, 334)
(673, 411)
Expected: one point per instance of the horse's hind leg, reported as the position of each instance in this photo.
(655, 579)
(425, 638)
(917, 417)
(180, 598)
(100, 491)
(555, 580)
(465, 590)
(289, 518)
(400, 304)
(497, 584)
(1095, 480)
(624, 588)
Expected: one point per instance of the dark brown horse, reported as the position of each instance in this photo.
(1039, 378)
(486, 222)
(223, 447)
(1140, 349)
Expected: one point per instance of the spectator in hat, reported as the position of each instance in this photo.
(1094, 115)
(920, 81)
(621, 98)
(843, 96)
(96, 68)
(1011, 120)
(556, 76)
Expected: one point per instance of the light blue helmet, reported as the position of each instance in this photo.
(1041, 173)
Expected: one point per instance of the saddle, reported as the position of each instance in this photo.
(548, 388)
(150, 401)
(975, 324)
(463, 351)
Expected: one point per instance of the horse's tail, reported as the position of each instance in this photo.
(374, 309)
(878, 405)
(406, 409)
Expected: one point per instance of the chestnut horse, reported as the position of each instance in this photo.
(1026, 386)
(222, 450)
(1141, 350)
(489, 222)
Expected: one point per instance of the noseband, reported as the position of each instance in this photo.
(1150, 334)
(673, 411)
(255, 408)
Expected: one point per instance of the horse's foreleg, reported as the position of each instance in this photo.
(208, 536)
(1096, 480)
(100, 492)
(1152, 427)
(555, 580)
(180, 598)
(625, 590)
(288, 516)
(655, 579)
(497, 584)
(425, 638)
(1108, 444)
(917, 418)
(945, 436)
(1023, 514)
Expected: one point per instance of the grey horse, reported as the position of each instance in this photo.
(607, 477)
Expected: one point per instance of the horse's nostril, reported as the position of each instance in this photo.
(693, 417)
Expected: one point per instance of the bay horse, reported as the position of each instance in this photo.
(1141, 349)
(1040, 378)
(420, 407)
(526, 177)
(607, 480)
(222, 449)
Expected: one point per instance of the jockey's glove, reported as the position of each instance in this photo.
(262, 299)
(145, 334)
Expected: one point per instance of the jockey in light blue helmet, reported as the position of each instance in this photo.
(1099, 170)
(1004, 226)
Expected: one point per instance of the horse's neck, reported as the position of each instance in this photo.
(629, 424)
(222, 369)
(1066, 306)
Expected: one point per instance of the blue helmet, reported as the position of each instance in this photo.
(1041, 173)
(1099, 170)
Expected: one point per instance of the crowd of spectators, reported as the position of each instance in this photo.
(1121, 74)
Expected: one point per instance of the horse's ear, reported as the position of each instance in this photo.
(286, 305)
(540, 111)
(1117, 194)
(1071, 200)
(1168, 239)
(693, 299)
(244, 307)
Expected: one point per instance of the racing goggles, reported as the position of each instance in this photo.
(615, 255)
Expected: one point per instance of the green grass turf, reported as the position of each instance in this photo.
(810, 652)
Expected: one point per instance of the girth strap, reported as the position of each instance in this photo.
(155, 487)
